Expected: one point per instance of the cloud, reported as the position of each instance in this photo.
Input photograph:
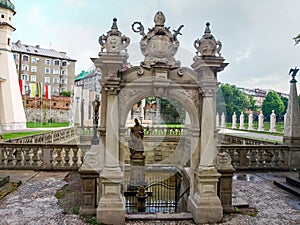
(241, 55)
(77, 3)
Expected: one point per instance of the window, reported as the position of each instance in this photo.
(64, 63)
(17, 66)
(47, 62)
(55, 90)
(25, 58)
(63, 89)
(64, 81)
(47, 80)
(25, 67)
(33, 69)
(33, 60)
(55, 71)
(8, 41)
(24, 77)
(33, 78)
(16, 56)
(47, 70)
(56, 80)
(63, 72)
(56, 62)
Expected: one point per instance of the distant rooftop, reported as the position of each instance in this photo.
(37, 50)
(84, 74)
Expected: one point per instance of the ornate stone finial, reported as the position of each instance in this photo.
(293, 73)
(159, 45)
(159, 19)
(222, 160)
(207, 45)
(114, 42)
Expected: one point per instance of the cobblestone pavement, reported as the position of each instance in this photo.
(34, 203)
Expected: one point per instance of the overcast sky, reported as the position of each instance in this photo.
(256, 35)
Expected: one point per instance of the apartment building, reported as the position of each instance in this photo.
(35, 64)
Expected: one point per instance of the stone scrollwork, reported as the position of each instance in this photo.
(140, 71)
(114, 41)
(207, 45)
(159, 45)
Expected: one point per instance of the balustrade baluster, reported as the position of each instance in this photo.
(67, 157)
(18, 154)
(2, 156)
(252, 157)
(75, 157)
(27, 158)
(35, 157)
(275, 159)
(260, 158)
(268, 158)
(58, 158)
(10, 156)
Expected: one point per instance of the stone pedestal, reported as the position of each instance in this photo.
(137, 170)
(204, 204)
(224, 167)
(111, 207)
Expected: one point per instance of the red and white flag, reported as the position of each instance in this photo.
(22, 84)
(48, 91)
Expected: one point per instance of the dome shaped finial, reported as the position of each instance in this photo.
(159, 19)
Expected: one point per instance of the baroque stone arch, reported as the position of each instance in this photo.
(189, 98)
(159, 74)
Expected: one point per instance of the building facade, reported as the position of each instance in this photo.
(47, 66)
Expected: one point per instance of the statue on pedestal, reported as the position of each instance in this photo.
(136, 135)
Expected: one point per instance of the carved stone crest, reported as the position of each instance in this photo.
(159, 45)
(207, 45)
(114, 42)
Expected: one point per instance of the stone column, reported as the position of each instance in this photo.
(242, 121)
(272, 122)
(250, 121)
(112, 202)
(261, 122)
(223, 121)
(233, 121)
(291, 135)
(204, 203)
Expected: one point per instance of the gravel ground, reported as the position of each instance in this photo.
(35, 203)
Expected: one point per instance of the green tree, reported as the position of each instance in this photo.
(230, 99)
(285, 103)
(272, 102)
(299, 99)
(65, 93)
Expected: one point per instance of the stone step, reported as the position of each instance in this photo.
(293, 180)
(4, 180)
(239, 202)
(288, 187)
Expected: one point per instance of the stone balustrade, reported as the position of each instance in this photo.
(225, 139)
(55, 136)
(162, 131)
(40, 156)
(245, 157)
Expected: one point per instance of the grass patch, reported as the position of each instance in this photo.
(7, 136)
(45, 125)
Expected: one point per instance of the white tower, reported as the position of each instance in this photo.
(12, 115)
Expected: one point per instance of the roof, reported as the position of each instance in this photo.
(36, 50)
(7, 4)
(84, 74)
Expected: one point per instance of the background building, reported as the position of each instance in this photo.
(35, 64)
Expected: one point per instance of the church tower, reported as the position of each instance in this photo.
(12, 115)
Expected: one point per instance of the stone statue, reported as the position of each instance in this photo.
(233, 121)
(273, 122)
(261, 122)
(250, 121)
(242, 121)
(136, 135)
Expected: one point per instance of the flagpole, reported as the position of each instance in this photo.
(41, 103)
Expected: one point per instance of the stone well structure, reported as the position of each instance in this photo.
(159, 74)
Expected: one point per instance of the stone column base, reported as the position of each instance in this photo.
(111, 207)
(204, 203)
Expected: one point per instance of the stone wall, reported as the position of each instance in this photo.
(58, 116)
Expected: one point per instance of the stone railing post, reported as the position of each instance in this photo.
(224, 167)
